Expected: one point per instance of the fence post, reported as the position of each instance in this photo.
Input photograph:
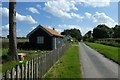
(32, 69)
(37, 67)
(22, 71)
(26, 70)
(41, 65)
(29, 69)
(7, 75)
(13, 73)
(18, 72)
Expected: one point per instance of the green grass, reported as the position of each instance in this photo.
(108, 51)
(68, 66)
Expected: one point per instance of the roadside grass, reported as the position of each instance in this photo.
(108, 51)
(68, 66)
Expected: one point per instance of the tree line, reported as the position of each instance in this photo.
(103, 31)
(74, 33)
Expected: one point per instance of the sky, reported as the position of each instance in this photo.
(60, 14)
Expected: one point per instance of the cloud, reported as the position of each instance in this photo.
(88, 15)
(95, 3)
(4, 12)
(33, 28)
(76, 16)
(102, 18)
(62, 9)
(62, 27)
(5, 28)
(38, 6)
(27, 19)
(33, 10)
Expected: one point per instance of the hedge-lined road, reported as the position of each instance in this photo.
(95, 65)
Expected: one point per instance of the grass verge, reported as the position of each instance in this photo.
(108, 51)
(68, 66)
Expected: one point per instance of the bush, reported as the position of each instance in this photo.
(109, 43)
(23, 45)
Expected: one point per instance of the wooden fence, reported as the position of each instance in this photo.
(37, 67)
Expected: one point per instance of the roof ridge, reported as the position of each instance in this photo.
(54, 32)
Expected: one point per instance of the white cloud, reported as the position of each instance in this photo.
(33, 10)
(95, 3)
(4, 12)
(61, 28)
(102, 18)
(19, 17)
(76, 16)
(33, 28)
(38, 6)
(5, 28)
(62, 8)
(88, 15)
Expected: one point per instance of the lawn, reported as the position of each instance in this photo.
(68, 66)
(108, 51)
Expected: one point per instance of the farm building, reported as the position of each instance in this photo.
(44, 38)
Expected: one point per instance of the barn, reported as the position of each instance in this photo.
(44, 38)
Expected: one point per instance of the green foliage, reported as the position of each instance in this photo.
(88, 37)
(108, 51)
(109, 41)
(116, 31)
(75, 33)
(68, 66)
(101, 31)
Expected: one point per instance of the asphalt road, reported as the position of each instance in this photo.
(95, 65)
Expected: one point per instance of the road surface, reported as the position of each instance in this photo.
(95, 65)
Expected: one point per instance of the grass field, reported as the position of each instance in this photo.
(68, 66)
(108, 51)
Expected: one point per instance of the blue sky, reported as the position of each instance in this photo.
(60, 14)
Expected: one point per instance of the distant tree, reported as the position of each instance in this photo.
(12, 30)
(116, 30)
(75, 33)
(7, 36)
(101, 31)
(88, 36)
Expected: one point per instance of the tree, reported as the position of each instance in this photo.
(75, 33)
(12, 30)
(101, 31)
(116, 30)
(88, 36)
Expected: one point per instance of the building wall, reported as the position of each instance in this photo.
(47, 40)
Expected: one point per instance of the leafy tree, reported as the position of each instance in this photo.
(12, 30)
(101, 31)
(116, 30)
(88, 36)
(75, 33)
